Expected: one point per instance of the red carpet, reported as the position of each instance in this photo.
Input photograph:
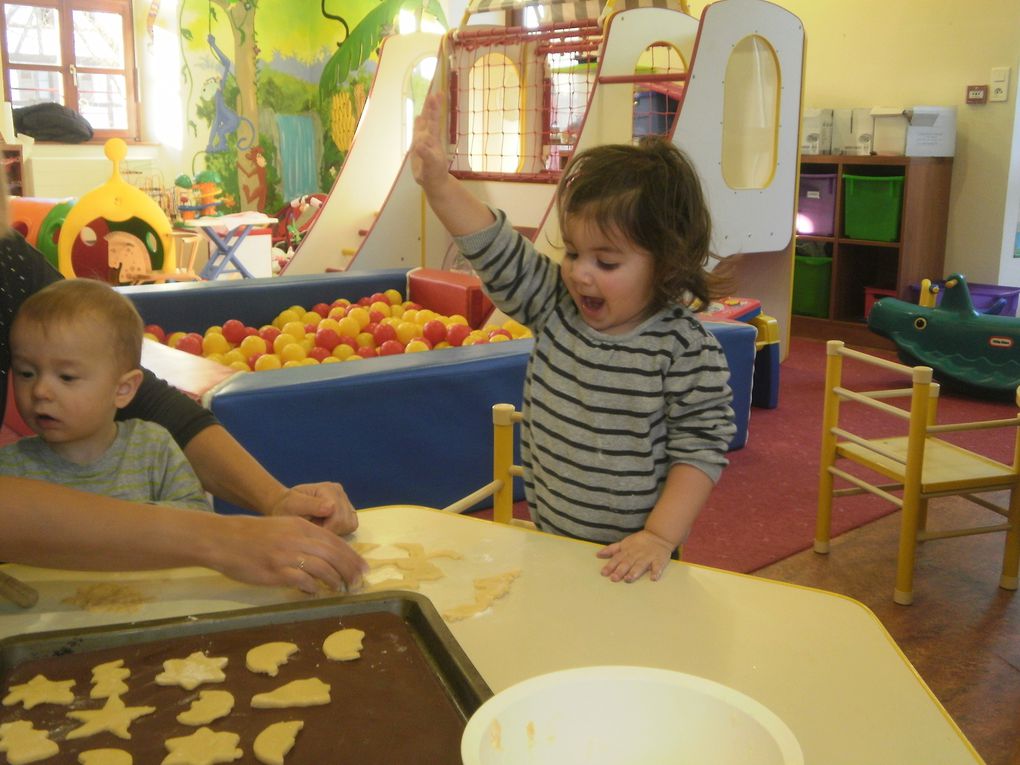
(763, 508)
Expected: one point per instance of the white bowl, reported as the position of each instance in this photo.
(625, 716)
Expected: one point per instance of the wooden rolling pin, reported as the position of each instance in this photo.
(17, 591)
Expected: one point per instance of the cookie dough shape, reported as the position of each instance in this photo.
(209, 706)
(266, 659)
(24, 744)
(114, 717)
(104, 757)
(203, 747)
(310, 692)
(40, 690)
(343, 645)
(191, 672)
(273, 744)
(108, 679)
(487, 591)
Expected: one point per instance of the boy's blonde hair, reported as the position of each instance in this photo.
(94, 305)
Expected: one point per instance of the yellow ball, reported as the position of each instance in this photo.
(282, 340)
(214, 342)
(349, 327)
(409, 314)
(295, 329)
(293, 352)
(342, 351)
(394, 297)
(416, 346)
(397, 311)
(332, 324)
(217, 357)
(365, 339)
(252, 346)
(331, 360)
(267, 361)
(174, 338)
(458, 319)
(383, 308)
(360, 315)
(292, 363)
(235, 355)
(285, 317)
(214, 329)
(408, 331)
(311, 317)
(240, 366)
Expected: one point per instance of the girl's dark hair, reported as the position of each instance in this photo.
(650, 194)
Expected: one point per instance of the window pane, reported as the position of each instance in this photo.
(33, 35)
(31, 86)
(102, 100)
(98, 39)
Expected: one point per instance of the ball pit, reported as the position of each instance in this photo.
(380, 324)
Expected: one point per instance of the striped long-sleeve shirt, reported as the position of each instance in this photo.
(605, 416)
(143, 464)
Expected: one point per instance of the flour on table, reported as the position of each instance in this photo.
(24, 744)
(343, 645)
(109, 597)
(273, 743)
(487, 590)
(410, 570)
(114, 717)
(209, 706)
(40, 690)
(191, 672)
(203, 747)
(108, 679)
(104, 757)
(267, 658)
(310, 692)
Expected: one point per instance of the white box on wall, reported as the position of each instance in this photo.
(931, 131)
(816, 131)
(889, 135)
(852, 131)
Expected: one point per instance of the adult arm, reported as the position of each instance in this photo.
(50, 525)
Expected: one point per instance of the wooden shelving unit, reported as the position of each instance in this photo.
(858, 264)
(13, 166)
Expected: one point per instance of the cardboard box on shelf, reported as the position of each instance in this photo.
(931, 131)
(852, 131)
(890, 131)
(816, 131)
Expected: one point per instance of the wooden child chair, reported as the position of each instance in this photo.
(922, 465)
(501, 487)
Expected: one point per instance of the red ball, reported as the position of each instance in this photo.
(318, 353)
(391, 348)
(327, 338)
(233, 330)
(383, 333)
(367, 353)
(269, 333)
(456, 333)
(156, 331)
(191, 343)
(322, 309)
(434, 331)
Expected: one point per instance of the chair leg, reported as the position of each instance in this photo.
(904, 592)
(1011, 556)
(823, 521)
(922, 515)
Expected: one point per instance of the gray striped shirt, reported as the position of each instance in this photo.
(605, 416)
(144, 464)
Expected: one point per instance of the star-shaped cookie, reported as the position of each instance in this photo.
(203, 747)
(191, 672)
(40, 690)
(114, 717)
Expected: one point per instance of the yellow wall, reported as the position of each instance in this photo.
(925, 52)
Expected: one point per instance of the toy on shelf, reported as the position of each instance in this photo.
(199, 199)
(973, 352)
(115, 233)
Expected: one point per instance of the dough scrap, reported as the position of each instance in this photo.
(269, 657)
(273, 743)
(203, 747)
(104, 757)
(108, 679)
(414, 568)
(109, 597)
(191, 672)
(40, 690)
(487, 590)
(114, 717)
(343, 645)
(24, 744)
(209, 706)
(310, 692)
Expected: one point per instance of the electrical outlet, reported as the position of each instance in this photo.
(999, 83)
(977, 94)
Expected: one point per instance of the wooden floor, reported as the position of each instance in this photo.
(962, 632)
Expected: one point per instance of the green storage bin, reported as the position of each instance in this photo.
(872, 206)
(811, 277)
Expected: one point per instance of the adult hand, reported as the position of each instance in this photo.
(325, 504)
(284, 551)
(632, 556)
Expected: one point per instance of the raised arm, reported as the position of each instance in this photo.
(459, 210)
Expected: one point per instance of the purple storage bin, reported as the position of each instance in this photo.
(987, 298)
(816, 204)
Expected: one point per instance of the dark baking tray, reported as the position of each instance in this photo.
(448, 664)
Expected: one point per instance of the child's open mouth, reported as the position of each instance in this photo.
(591, 305)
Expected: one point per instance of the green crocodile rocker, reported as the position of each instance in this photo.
(973, 352)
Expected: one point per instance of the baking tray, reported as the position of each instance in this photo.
(406, 699)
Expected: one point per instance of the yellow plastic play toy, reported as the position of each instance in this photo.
(115, 233)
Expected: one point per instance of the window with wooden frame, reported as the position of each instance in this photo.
(79, 53)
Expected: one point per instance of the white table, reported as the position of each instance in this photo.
(822, 662)
(225, 234)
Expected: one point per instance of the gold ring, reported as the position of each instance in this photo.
(301, 563)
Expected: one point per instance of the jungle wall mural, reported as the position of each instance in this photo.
(276, 88)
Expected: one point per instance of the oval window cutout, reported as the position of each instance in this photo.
(750, 115)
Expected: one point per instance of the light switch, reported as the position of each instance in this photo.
(998, 86)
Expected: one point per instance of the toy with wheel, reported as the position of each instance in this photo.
(973, 352)
(115, 233)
